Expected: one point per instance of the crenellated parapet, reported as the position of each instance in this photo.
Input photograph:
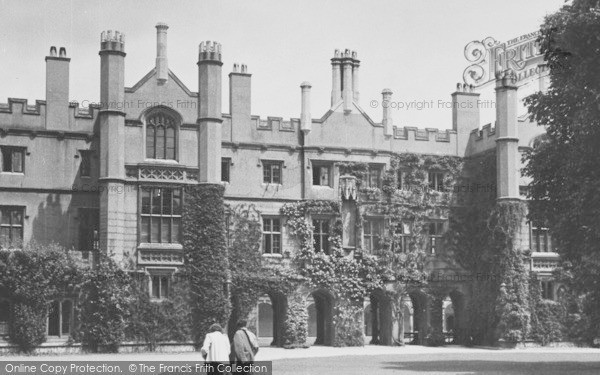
(18, 113)
(209, 51)
(275, 123)
(427, 134)
(112, 40)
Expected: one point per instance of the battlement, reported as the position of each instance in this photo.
(410, 133)
(112, 40)
(18, 113)
(345, 54)
(209, 51)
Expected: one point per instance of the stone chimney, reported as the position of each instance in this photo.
(507, 143)
(336, 84)
(162, 65)
(209, 112)
(387, 122)
(305, 119)
(57, 89)
(347, 87)
(240, 90)
(465, 115)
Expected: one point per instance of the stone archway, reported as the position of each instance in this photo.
(460, 319)
(420, 317)
(379, 319)
(320, 317)
(270, 319)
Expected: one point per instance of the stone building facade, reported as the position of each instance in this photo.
(111, 177)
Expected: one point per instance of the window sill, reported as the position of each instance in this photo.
(328, 187)
(13, 173)
(272, 255)
(160, 246)
(267, 184)
(161, 161)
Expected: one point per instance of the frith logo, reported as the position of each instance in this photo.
(487, 56)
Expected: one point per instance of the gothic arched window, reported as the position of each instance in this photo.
(160, 137)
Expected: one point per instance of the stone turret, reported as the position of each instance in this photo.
(507, 152)
(112, 142)
(209, 112)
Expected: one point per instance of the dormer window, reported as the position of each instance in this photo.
(161, 137)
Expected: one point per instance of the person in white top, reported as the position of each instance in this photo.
(216, 348)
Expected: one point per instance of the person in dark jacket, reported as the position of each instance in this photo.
(245, 346)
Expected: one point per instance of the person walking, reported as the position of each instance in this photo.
(216, 350)
(245, 347)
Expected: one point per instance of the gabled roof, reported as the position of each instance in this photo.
(151, 74)
(340, 103)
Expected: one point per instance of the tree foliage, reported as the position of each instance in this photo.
(565, 164)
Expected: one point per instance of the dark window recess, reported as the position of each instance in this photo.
(161, 215)
(271, 236)
(160, 286)
(4, 317)
(225, 169)
(13, 159)
(540, 239)
(373, 177)
(373, 232)
(89, 227)
(403, 237)
(60, 315)
(11, 227)
(321, 175)
(85, 167)
(272, 172)
(321, 235)
(436, 230)
(161, 138)
(436, 181)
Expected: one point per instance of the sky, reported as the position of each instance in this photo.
(414, 48)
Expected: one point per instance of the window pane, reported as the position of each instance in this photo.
(5, 216)
(17, 161)
(175, 230)
(275, 225)
(17, 217)
(164, 287)
(145, 232)
(176, 201)
(54, 319)
(160, 142)
(267, 243)
(368, 225)
(6, 160)
(267, 225)
(156, 200)
(170, 143)
(150, 151)
(276, 243)
(146, 200)
(155, 230)
(225, 169)
(325, 176)
(165, 233)
(166, 201)
(5, 237)
(276, 171)
(67, 307)
(155, 287)
(317, 240)
(316, 176)
(267, 173)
